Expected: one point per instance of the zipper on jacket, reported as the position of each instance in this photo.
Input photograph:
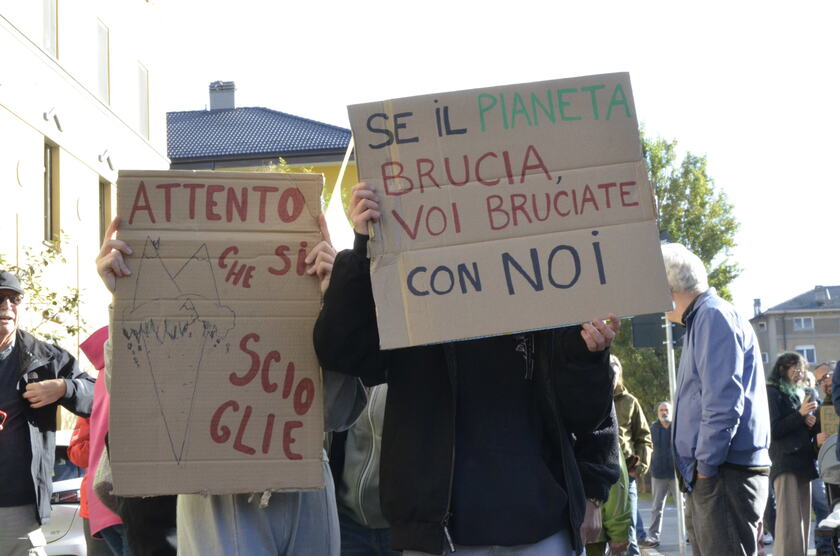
(371, 455)
(451, 365)
(525, 346)
(446, 532)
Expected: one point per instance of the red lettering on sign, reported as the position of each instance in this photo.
(220, 435)
(211, 203)
(267, 385)
(167, 198)
(295, 197)
(193, 187)
(146, 206)
(606, 187)
(532, 151)
(263, 190)
(304, 396)
(238, 204)
(288, 427)
(269, 429)
(478, 169)
(287, 262)
(425, 173)
(255, 361)
(388, 177)
(238, 444)
(626, 189)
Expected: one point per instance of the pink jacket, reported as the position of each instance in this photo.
(94, 347)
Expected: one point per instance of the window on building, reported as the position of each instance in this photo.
(808, 352)
(104, 208)
(143, 100)
(762, 326)
(803, 323)
(51, 205)
(765, 357)
(51, 27)
(103, 52)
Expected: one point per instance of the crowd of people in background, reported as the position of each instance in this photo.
(529, 441)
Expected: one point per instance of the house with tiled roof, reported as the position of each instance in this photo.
(808, 323)
(253, 139)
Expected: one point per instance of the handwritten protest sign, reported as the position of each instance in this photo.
(507, 209)
(215, 384)
(829, 421)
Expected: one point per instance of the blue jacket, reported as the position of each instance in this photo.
(721, 413)
(662, 463)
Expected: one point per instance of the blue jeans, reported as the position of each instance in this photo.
(358, 540)
(114, 537)
(819, 503)
(633, 546)
(641, 534)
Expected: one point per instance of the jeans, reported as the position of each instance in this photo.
(632, 492)
(770, 513)
(114, 537)
(725, 511)
(819, 503)
(358, 540)
(641, 534)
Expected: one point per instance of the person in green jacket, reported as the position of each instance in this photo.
(635, 444)
(616, 516)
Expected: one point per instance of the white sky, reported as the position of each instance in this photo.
(753, 85)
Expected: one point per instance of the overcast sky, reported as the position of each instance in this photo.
(752, 85)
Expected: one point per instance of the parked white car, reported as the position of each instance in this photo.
(65, 531)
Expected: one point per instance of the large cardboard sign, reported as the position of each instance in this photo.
(508, 208)
(215, 384)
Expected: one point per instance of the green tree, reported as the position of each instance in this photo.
(692, 212)
(54, 312)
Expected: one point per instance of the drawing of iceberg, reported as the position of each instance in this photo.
(172, 333)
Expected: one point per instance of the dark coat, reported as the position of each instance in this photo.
(49, 361)
(791, 444)
(418, 446)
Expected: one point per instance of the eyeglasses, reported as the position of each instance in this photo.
(826, 378)
(14, 298)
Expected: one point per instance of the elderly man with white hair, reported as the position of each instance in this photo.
(721, 428)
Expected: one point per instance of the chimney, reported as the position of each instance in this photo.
(822, 295)
(221, 95)
(757, 306)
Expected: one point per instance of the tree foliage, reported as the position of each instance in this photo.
(692, 212)
(54, 311)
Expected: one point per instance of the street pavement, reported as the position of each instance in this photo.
(668, 539)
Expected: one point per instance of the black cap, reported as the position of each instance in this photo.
(9, 281)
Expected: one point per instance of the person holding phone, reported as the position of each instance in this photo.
(792, 431)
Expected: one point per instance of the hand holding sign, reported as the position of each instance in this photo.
(364, 207)
(598, 334)
(110, 263)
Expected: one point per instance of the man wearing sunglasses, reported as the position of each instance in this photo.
(34, 377)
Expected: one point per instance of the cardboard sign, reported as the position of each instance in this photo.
(507, 209)
(215, 383)
(829, 421)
